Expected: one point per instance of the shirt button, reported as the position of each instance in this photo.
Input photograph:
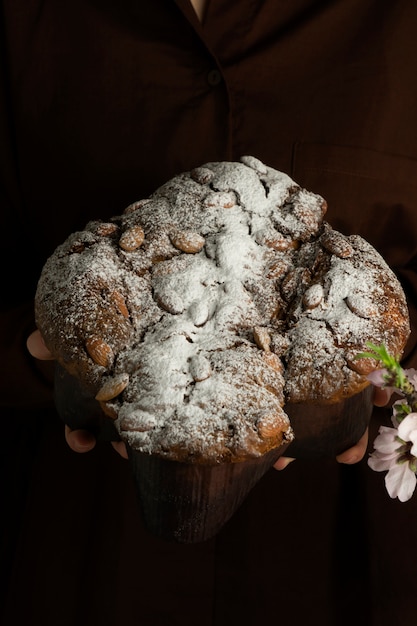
(214, 78)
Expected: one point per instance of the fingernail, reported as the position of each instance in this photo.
(283, 462)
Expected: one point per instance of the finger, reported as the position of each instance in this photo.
(79, 440)
(382, 396)
(283, 462)
(120, 448)
(355, 453)
(37, 348)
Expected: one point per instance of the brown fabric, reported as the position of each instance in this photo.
(102, 101)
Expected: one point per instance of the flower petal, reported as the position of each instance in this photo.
(407, 426)
(400, 482)
(377, 377)
(382, 463)
(411, 374)
(386, 442)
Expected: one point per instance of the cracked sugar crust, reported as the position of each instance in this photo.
(200, 312)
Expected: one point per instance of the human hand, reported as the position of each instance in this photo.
(37, 348)
(349, 457)
(79, 440)
(357, 452)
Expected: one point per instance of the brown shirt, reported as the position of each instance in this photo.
(103, 101)
(100, 102)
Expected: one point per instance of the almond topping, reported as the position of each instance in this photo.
(361, 306)
(135, 206)
(120, 303)
(77, 247)
(106, 228)
(199, 312)
(225, 199)
(113, 387)
(289, 285)
(138, 421)
(187, 241)
(200, 368)
(109, 410)
(269, 426)
(313, 296)
(170, 301)
(132, 238)
(202, 175)
(337, 244)
(277, 269)
(278, 242)
(273, 361)
(262, 338)
(100, 351)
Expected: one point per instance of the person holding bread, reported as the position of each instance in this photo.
(101, 103)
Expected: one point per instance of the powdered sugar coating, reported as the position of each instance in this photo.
(239, 299)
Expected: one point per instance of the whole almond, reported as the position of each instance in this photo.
(77, 247)
(262, 338)
(200, 368)
(170, 301)
(289, 285)
(132, 238)
(112, 387)
(109, 410)
(278, 242)
(313, 296)
(135, 206)
(273, 361)
(106, 229)
(138, 421)
(187, 241)
(361, 306)
(225, 199)
(118, 299)
(100, 351)
(268, 426)
(199, 312)
(277, 269)
(337, 244)
(202, 175)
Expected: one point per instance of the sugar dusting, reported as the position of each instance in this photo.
(228, 248)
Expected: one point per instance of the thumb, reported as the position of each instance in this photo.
(37, 348)
(283, 462)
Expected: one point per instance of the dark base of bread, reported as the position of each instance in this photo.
(190, 503)
(326, 430)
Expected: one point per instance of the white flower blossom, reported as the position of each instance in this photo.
(395, 449)
(377, 377)
(394, 454)
(400, 481)
(385, 455)
(407, 431)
